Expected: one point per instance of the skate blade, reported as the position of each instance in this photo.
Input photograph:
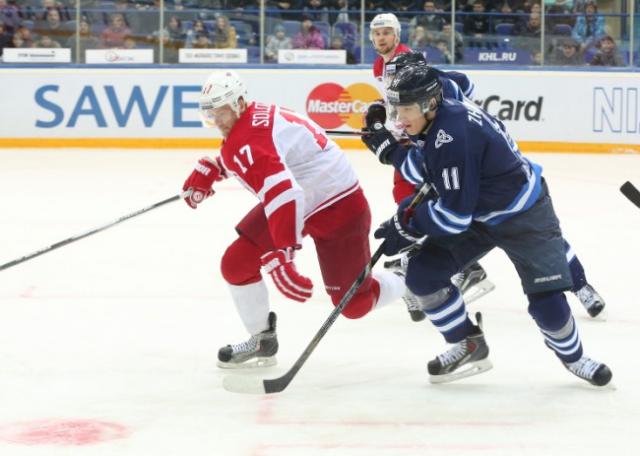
(602, 316)
(251, 364)
(243, 384)
(474, 368)
(478, 290)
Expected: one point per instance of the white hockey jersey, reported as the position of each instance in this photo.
(288, 162)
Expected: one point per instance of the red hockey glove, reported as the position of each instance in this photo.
(279, 264)
(206, 172)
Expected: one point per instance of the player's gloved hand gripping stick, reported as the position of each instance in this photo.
(253, 385)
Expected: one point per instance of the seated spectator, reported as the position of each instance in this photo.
(443, 47)
(445, 36)
(22, 38)
(48, 5)
(224, 35)
(476, 25)
(430, 20)
(5, 38)
(87, 41)
(531, 28)
(608, 54)
(202, 41)
(45, 41)
(419, 38)
(309, 37)
(10, 16)
(401, 5)
(344, 7)
(373, 7)
(589, 26)
(53, 26)
(279, 40)
(569, 53)
(113, 35)
(558, 12)
(173, 30)
(337, 43)
(506, 15)
(283, 6)
(198, 29)
(316, 10)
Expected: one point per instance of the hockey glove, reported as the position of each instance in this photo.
(380, 141)
(397, 233)
(279, 264)
(206, 172)
(376, 113)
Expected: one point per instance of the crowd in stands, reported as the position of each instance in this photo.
(576, 32)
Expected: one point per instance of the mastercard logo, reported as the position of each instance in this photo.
(331, 105)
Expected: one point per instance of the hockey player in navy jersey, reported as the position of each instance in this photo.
(457, 86)
(485, 195)
(472, 281)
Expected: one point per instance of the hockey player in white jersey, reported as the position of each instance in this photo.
(305, 186)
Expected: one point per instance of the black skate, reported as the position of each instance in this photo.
(258, 351)
(399, 267)
(591, 301)
(596, 373)
(466, 358)
(473, 283)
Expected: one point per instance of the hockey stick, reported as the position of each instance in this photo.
(631, 192)
(93, 231)
(346, 132)
(253, 385)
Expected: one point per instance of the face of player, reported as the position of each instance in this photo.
(410, 117)
(384, 40)
(224, 117)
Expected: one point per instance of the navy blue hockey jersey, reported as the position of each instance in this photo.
(455, 85)
(475, 167)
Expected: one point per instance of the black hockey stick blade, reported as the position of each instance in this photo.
(254, 385)
(631, 192)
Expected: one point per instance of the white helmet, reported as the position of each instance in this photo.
(222, 88)
(385, 20)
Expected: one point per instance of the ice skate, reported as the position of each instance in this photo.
(596, 373)
(258, 351)
(591, 301)
(473, 283)
(399, 266)
(466, 358)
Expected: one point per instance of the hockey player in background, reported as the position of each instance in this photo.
(305, 185)
(486, 195)
(385, 30)
(452, 83)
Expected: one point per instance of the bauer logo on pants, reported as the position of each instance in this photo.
(331, 105)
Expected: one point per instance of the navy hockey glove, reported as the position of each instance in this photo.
(380, 141)
(376, 113)
(396, 233)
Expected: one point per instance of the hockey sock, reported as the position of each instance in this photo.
(252, 303)
(552, 314)
(392, 287)
(448, 313)
(575, 266)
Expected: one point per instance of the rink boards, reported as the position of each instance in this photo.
(98, 107)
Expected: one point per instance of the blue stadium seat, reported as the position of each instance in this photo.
(370, 54)
(349, 33)
(323, 27)
(459, 27)
(433, 54)
(291, 27)
(562, 29)
(504, 29)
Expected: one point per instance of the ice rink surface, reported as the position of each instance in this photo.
(108, 345)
